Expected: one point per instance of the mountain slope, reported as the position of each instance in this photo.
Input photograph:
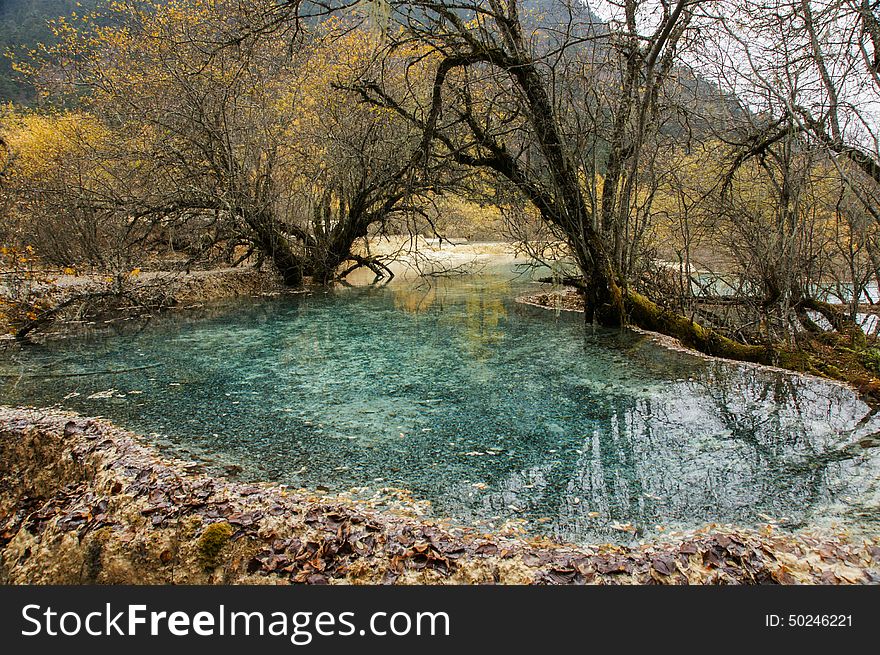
(23, 24)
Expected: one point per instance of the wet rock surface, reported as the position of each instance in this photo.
(82, 501)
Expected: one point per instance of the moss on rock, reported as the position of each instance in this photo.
(211, 543)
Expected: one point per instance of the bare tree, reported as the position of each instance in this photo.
(237, 134)
(801, 72)
(495, 105)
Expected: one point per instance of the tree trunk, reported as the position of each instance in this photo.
(274, 244)
(646, 314)
(335, 249)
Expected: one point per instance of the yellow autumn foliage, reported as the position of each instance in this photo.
(39, 143)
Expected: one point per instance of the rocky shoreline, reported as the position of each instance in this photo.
(75, 302)
(85, 502)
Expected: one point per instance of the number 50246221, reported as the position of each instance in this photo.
(808, 620)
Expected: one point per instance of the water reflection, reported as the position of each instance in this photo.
(416, 298)
(731, 444)
(492, 410)
(480, 318)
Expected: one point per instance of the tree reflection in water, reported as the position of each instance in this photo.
(492, 410)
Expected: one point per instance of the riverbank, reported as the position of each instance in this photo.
(85, 502)
(812, 356)
(48, 303)
(57, 304)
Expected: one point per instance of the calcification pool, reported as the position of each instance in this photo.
(491, 410)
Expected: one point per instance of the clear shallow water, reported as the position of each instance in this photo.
(489, 409)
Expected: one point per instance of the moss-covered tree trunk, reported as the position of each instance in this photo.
(648, 315)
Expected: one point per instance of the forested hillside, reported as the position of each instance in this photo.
(24, 23)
